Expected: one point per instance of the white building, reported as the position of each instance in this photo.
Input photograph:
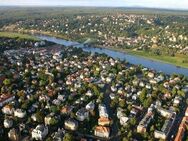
(103, 111)
(71, 124)
(20, 113)
(40, 132)
(8, 123)
(90, 106)
(82, 114)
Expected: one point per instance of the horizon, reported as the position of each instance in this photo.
(160, 4)
(131, 7)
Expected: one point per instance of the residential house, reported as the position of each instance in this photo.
(6, 98)
(57, 136)
(90, 106)
(122, 117)
(82, 114)
(66, 109)
(20, 113)
(14, 135)
(102, 131)
(40, 132)
(8, 123)
(185, 89)
(103, 121)
(164, 112)
(103, 111)
(48, 118)
(71, 124)
(177, 100)
(143, 125)
(8, 110)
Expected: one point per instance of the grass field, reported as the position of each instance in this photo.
(18, 35)
(178, 60)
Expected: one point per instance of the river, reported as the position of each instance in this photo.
(151, 64)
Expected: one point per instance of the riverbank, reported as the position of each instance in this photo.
(18, 35)
(177, 60)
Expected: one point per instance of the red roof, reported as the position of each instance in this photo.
(4, 97)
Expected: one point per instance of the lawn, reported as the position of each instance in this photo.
(18, 35)
(178, 60)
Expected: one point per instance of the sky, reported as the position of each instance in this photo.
(168, 4)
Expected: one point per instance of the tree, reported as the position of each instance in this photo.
(130, 134)
(39, 116)
(53, 121)
(6, 82)
(122, 103)
(133, 121)
(54, 109)
(68, 137)
(142, 96)
(147, 102)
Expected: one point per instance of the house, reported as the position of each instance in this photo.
(71, 124)
(177, 100)
(123, 120)
(66, 109)
(151, 75)
(134, 111)
(142, 127)
(104, 121)
(20, 113)
(113, 88)
(14, 135)
(90, 106)
(185, 89)
(8, 123)
(57, 136)
(186, 112)
(82, 114)
(89, 93)
(8, 110)
(48, 118)
(40, 132)
(164, 112)
(6, 99)
(122, 117)
(102, 131)
(112, 96)
(103, 111)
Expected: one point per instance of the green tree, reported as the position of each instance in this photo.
(122, 103)
(6, 82)
(133, 121)
(143, 94)
(68, 137)
(53, 121)
(39, 116)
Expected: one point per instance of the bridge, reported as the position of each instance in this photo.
(88, 41)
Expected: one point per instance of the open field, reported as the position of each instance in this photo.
(178, 60)
(17, 35)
